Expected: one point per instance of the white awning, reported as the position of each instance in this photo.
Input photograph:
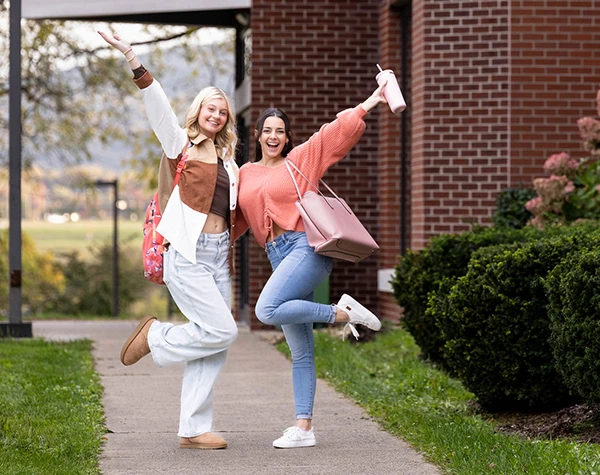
(64, 9)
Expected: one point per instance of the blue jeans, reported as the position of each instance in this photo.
(287, 300)
(202, 291)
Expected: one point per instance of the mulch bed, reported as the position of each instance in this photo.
(580, 423)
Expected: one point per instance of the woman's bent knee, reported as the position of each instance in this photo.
(265, 312)
(233, 334)
(229, 334)
(222, 336)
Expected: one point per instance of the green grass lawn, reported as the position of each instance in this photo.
(430, 410)
(51, 416)
(68, 237)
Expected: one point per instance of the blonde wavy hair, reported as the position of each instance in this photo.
(226, 138)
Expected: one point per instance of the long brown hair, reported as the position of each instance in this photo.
(273, 112)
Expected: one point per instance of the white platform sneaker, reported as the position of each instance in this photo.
(358, 314)
(294, 437)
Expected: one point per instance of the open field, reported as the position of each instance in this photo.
(87, 236)
(68, 237)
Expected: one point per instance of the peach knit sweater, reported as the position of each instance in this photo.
(267, 195)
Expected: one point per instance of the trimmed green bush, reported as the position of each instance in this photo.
(497, 327)
(574, 308)
(447, 256)
(510, 208)
(412, 282)
(435, 313)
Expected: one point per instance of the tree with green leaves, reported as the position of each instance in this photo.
(77, 98)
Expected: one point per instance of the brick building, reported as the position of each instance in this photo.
(493, 87)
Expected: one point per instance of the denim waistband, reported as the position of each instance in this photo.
(285, 238)
(216, 238)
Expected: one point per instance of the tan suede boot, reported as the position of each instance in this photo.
(136, 346)
(206, 441)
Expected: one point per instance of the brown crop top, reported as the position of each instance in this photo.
(220, 202)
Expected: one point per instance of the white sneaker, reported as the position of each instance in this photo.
(358, 315)
(294, 437)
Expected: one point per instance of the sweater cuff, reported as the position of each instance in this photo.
(144, 81)
(362, 113)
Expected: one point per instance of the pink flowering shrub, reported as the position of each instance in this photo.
(552, 192)
(589, 128)
(572, 192)
(561, 164)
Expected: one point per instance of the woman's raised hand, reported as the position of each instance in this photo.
(375, 99)
(116, 41)
(124, 47)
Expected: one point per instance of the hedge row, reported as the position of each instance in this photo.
(418, 274)
(574, 310)
(513, 316)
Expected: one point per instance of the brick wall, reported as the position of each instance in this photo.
(313, 59)
(555, 76)
(498, 87)
(460, 85)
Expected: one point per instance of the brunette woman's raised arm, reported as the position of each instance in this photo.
(335, 139)
(374, 99)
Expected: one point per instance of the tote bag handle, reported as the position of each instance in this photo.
(342, 202)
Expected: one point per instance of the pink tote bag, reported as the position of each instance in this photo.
(331, 226)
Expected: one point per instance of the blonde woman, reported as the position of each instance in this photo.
(197, 219)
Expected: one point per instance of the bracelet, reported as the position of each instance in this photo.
(130, 60)
(125, 52)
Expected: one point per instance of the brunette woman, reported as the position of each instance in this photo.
(267, 202)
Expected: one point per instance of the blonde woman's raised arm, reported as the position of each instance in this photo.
(162, 119)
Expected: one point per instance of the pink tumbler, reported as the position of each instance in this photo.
(391, 91)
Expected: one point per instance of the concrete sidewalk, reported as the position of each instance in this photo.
(253, 404)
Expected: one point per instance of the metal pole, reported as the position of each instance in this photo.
(15, 327)
(14, 200)
(115, 251)
(115, 248)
